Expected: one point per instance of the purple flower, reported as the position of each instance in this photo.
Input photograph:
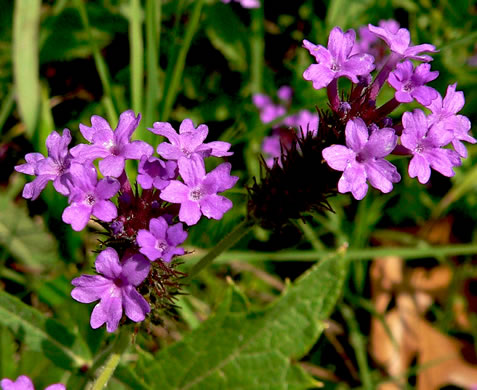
(444, 116)
(363, 158)
(337, 61)
(399, 40)
(199, 193)
(409, 83)
(156, 173)
(115, 287)
(89, 197)
(425, 145)
(25, 383)
(161, 240)
(305, 122)
(268, 110)
(189, 141)
(245, 3)
(54, 167)
(114, 147)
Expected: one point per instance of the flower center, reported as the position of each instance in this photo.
(335, 67)
(90, 199)
(161, 245)
(118, 282)
(419, 148)
(186, 151)
(409, 87)
(360, 158)
(196, 194)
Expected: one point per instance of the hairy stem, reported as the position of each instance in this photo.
(119, 347)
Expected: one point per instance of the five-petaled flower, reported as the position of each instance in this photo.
(363, 158)
(336, 60)
(198, 196)
(116, 289)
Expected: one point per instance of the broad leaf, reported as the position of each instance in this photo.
(253, 350)
(41, 333)
(25, 240)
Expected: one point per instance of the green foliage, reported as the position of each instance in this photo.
(28, 242)
(241, 348)
(42, 334)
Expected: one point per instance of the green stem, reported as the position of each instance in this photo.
(180, 61)
(100, 65)
(230, 239)
(136, 56)
(153, 37)
(6, 107)
(119, 347)
(257, 48)
(359, 346)
(365, 254)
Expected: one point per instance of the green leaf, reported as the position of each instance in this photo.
(27, 241)
(42, 334)
(227, 33)
(25, 60)
(240, 349)
(7, 350)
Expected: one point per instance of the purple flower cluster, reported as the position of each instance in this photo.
(25, 383)
(369, 133)
(283, 132)
(176, 187)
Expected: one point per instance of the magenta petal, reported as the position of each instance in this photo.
(168, 151)
(176, 234)
(145, 238)
(112, 166)
(381, 143)
(192, 170)
(175, 192)
(83, 152)
(109, 310)
(56, 386)
(135, 306)
(418, 166)
(107, 263)
(214, 206)
(356, 134)
(338, 156)
(126, 126)
(379, 174)
(77, 215)
(107, 188)
(89, 288)
(441, 160)
(158, 227)
(135, 269)
(21, 383)
(219, 179)
(105, 210)
(340, 44)
(189, 212)
(33, 190)
(166, 130)
(319, 74)
(136, 149)
(219, 148)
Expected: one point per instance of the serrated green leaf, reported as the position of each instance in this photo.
(25, 60)
(252, 350)
(42, 334)
(28, 242)
(7, 350)
(226, 32)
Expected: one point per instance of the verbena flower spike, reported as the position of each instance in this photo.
(356, 136)
(136, 270)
